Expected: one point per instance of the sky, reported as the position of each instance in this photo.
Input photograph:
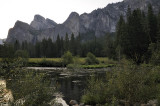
(57, 10)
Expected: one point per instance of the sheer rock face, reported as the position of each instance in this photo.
(99, 21)
(73, 23)
(21, 31)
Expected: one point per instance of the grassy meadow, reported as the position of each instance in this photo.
(81, 60)
(58, 62)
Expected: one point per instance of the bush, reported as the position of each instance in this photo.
(94, 93)
(34, 88)
(91, 59)
(21, 53)
(132, 84)
(155, 58)
(67, 58)
(9, 66)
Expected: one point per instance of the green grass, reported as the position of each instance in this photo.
(36, 60)
(82, 60)
(97, 66)
(45, 62)
(57, 62)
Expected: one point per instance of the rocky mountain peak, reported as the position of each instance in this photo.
(40, 23)
(73, 22)
(21, 25)
(73, 15)
(39, 18)
(51, 22)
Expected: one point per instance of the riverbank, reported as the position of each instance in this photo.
(57, 62)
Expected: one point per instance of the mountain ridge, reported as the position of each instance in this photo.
(99, 21)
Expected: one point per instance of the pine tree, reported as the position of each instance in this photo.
(43, 47)
(16, 45)
(49, 49)
(158, 31)
(152, 24)
(120, 36)
(38, 50)
(66, 43)
(72, 44)
(58, 46)
(62, 46)
(78, 45)
(132, 38)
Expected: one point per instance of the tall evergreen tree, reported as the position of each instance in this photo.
(120, 36)
(62, 46)
(38, 50)
(135, 42)
(152, 24)
(66, 43)
(72, 44)
(43, 47)
(158, 30)
(58, 46)
(49, 49)
(78, 44)
(16, 45)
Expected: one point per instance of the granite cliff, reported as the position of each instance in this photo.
(99, 21)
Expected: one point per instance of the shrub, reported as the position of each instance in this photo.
(21, 53)
(67, 58)
(91, 59)
(94, 93)
(32, 87)
(131, 83)
(155, 58)
(8, 66)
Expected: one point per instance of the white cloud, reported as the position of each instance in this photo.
(57, 10)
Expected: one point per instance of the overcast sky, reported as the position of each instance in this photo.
(57, 10)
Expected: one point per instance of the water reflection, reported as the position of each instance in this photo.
(72, 84)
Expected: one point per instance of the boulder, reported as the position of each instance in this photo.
(73, 102)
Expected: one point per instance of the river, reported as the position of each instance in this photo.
(71, 82)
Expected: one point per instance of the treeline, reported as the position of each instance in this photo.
(78, 46)
(138, 36)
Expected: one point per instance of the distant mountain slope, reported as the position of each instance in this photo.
(2, 40)
(99, 21)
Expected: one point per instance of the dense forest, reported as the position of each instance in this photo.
(78, 46)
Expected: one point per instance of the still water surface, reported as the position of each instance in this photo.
(72, 82)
